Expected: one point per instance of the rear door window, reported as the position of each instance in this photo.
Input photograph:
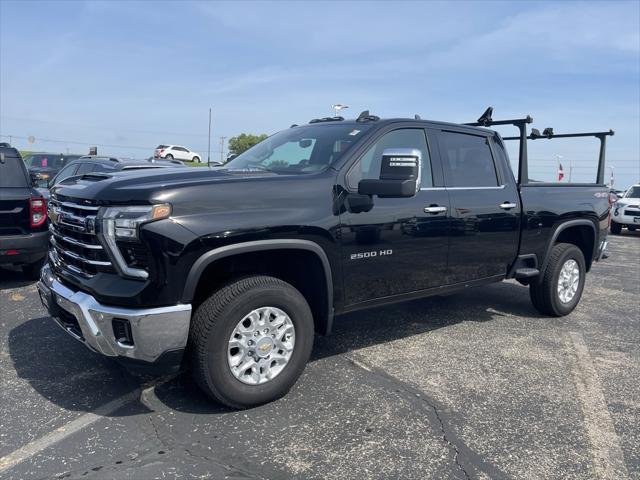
(467, 160)
(13, 173)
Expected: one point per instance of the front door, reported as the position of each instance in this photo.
(485, 206)
(392, 246)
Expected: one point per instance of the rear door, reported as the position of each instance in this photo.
(393, 246)
(180, 153)
(485, 206)
(15, 192)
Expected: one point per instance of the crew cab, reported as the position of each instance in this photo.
(23, 216)
(231, 270)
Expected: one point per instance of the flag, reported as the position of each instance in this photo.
(560, 172)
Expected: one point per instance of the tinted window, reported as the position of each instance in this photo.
(467, 160)
(180, 149)
(66, 172)
(44, 160)
(85, 168)
(12, 173)
(99, 167)
(369, 164)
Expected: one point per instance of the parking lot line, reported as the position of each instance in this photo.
(31, 449)
(607, 457)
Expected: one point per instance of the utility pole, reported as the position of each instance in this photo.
(209, 147)
(222, 149)
(570, 169)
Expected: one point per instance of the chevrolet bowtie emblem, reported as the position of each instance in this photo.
(54, 215)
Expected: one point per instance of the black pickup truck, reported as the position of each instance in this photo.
(232, 270)
(23, 216)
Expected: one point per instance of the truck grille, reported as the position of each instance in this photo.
(74, 244)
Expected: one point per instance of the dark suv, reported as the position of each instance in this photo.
(23, 216)
(44, 166)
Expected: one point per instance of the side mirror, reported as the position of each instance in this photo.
(231, 156)
(399, 175)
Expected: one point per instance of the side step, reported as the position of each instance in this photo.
(527, 272)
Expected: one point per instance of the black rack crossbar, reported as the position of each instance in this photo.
(602, 136)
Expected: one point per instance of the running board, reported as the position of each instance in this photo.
(526, 273)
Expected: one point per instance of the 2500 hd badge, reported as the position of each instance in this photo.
(358, 256)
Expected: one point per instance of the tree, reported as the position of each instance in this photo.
(244, 142)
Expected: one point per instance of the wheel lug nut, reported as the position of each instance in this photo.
(266, 330)
(250, 342)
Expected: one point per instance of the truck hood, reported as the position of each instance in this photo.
(628, 201)
(156, 186)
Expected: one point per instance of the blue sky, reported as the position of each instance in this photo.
(138, 74)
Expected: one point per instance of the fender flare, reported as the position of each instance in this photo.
(559, 229)
(211, 256)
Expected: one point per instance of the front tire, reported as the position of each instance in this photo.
(250, 341)
(559, 290)
(616, 228)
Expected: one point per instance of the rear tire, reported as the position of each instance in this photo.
(195, 159)
(616, 228)
(211, 341)
(168, 157)
(631, 228)
(32, 270)
(546, 294)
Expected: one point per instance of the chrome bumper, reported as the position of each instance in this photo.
(155, 331)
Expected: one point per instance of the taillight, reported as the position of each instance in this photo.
(37, 211)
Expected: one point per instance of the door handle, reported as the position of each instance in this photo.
(508, 205)
(435, 209)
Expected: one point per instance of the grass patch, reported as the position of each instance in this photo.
(195, 164)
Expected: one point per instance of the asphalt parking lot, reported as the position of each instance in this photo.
(473, 385)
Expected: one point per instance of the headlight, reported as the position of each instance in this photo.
(123, 222)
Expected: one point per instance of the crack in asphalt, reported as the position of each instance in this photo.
(463, 457)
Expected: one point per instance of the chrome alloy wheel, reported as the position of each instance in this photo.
(261, 345)
(568, 280)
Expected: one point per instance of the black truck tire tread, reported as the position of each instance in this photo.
(543, 294)
(210, 314)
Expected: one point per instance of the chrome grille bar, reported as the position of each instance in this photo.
(73, 240)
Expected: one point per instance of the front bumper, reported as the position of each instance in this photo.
(158, 335)
(30, 248)
(633, 220)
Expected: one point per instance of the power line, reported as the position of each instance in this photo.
(94, 127)
(74, 142)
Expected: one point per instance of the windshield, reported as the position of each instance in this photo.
(44, 160)
(307, 149)
(633, 192)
